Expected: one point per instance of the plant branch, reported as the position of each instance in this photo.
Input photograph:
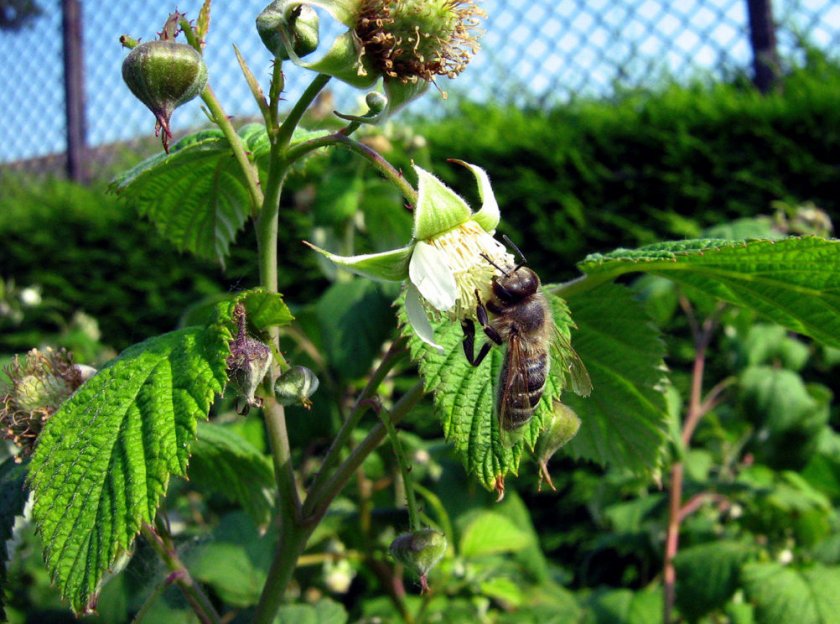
(287, 128)
(405, 470)
(320, 497)
(235, 141)
(702, 336)
(395, 353)
(340, 138)
(192, 591)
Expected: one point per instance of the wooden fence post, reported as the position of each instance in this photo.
(763, 40)
(74, 90)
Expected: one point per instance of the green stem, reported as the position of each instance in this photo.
(235, 141)
(320, 497)
(287, 128)
(369, 154)
(278, 81)
(192, 591)
(405, 470)
(395, 353)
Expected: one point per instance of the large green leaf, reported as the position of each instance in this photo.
(325, 611)
(13, 495)
(707, 575)
(794, 281)
(786, 594)
(623, 420)
(226, 463)
(624, 606)
(234, 561)
(104, 459)
(491, 533)
(196, 195)
(465, 397)
(355, 318)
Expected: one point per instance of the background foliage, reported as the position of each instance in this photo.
(764, 466)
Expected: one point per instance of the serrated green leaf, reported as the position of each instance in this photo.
(625, 607)
(225, 463)
(707, 575)
(623, 421)
(355, 319)
(196, 195)
(465, 397)
(786, 594)
(325, 611)
(103, 460)
(491, 533)
(235, 561)
(13, 495)
(794, 281)
(265, 309)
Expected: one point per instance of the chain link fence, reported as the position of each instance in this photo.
(534, 52)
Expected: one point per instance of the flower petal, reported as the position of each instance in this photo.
(488, 217)
(429, 272)
(391, 266)
(438, 208)
(416, 314)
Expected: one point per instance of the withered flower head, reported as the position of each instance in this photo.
(248, 363)
(40, 383)
(409, 40)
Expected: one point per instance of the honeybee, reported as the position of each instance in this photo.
(523, 321)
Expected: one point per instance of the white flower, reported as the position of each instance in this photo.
(451, 256)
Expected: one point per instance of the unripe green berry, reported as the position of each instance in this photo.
(300, 24)
(419, 551)
(164, 75)
(295, 386)
(561, 426)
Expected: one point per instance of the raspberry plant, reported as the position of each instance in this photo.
(104, 459)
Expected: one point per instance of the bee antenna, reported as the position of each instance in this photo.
(486, 257)
(517, 250)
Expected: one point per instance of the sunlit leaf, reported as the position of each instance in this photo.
(104, 459)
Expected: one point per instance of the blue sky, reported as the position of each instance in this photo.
(549, 48)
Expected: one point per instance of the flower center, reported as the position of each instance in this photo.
(419, 39)
(471, 254)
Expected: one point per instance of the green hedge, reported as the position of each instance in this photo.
(595, 175)
(590, 176)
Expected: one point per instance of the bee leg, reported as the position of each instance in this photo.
(484, 321)
(469, 344)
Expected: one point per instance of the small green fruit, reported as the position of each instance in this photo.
(561, 427)
(163, 75)
(279, 25)
(295, 386)
(419, 551)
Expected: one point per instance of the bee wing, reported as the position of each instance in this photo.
(571, 363)
(515, 387)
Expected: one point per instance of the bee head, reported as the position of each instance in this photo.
(516, 285)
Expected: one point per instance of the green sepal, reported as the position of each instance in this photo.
(389, 266)
(401, 93)
(488, 216)
(439, 208)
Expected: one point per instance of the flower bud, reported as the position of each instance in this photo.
(376, 102)
(562, 426)
(248, 363)
(279, 26)
(163, 75)
(39, 385)
(419, 551)
(295, 386)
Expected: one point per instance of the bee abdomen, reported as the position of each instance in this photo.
(520, 405)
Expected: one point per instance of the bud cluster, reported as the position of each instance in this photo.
(40, 383)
